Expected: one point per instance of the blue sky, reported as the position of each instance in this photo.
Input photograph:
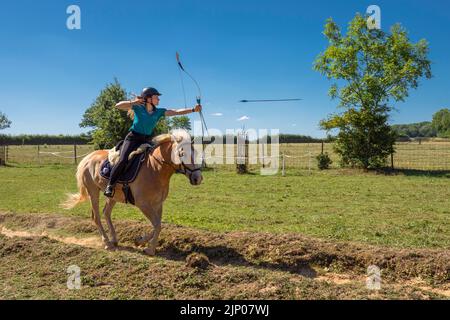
(236, 50)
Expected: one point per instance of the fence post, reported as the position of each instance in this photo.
(2, 155)
(75, 153)
(242, 150)
(322, 146)
(263, 162)
(309, 162)
(39, 154)
(283, 172)
(6, 154)
(203, 154)
(392, 161)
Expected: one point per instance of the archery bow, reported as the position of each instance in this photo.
(199, 97)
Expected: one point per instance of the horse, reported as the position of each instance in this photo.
(172, 153)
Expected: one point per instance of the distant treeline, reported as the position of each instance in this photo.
(415, 130)
(41, 139)
(284, 138)
(295, 138)
(27, 139)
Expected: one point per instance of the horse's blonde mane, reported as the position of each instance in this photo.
(162, 138)
(176, 135)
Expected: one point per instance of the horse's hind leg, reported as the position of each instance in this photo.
(107, 210)
(95, 202)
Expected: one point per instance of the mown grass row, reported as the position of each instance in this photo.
(400, 211)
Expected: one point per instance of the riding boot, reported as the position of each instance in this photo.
(109, 191)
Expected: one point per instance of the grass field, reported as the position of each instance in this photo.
(397, 210)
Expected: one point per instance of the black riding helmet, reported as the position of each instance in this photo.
(148, 92)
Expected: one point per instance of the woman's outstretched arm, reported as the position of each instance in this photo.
(180, 112)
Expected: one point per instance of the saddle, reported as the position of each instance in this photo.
(129, 174)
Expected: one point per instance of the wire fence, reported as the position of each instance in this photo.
(416, 155)
(429, 155)
(419, 155)
(45, 154)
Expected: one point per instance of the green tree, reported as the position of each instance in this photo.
(111, 125)
(4, 122)
(414, 130)
(370, 69)
(441, 123)
(181, 122)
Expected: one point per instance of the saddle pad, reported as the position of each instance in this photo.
(130, 172)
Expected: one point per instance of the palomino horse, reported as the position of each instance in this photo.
(173, 153)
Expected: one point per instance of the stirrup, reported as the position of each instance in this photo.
(109, 191)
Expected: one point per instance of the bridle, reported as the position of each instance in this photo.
(183, 169)
(186, 170)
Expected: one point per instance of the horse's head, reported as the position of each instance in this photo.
(185, 157)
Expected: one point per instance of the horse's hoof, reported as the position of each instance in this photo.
(110, 246)
(149, 252)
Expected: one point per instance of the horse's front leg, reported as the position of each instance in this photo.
(154, 215)
(151, 249)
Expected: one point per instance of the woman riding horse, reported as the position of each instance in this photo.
(173, 152)
(145, 118)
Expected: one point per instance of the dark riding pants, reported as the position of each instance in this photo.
(132, 141)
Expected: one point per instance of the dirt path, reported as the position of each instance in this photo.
(90, 242)
(241, 265)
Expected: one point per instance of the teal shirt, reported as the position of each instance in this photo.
(144, 122)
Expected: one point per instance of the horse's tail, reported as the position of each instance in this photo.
(74, 199)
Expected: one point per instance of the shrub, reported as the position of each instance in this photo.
(323, 161)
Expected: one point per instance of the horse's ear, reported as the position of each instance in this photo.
(174, 138)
